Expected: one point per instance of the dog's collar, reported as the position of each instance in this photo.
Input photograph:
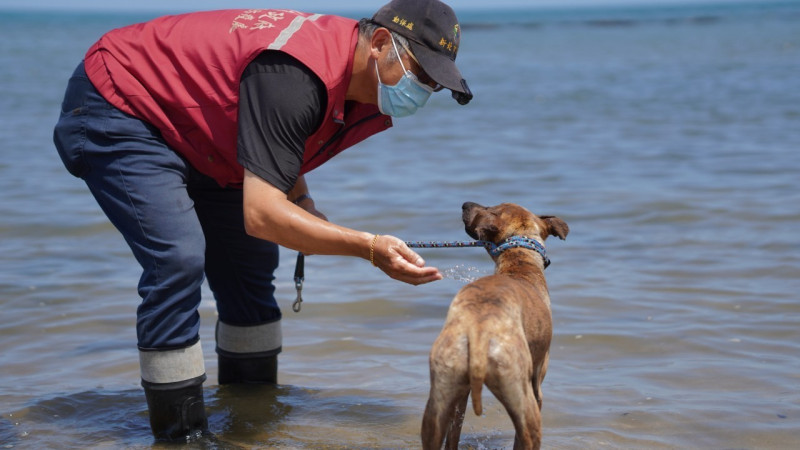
(517, 242)
(494, 249)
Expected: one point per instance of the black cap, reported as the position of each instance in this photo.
(432, 30)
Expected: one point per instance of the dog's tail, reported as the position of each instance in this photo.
(478, 353)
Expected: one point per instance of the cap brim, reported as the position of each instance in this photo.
(440, 68)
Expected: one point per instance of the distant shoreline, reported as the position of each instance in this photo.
(597, 16)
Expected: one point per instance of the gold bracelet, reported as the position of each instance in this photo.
(372, 250)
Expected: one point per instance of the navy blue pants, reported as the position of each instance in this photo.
(180, 224)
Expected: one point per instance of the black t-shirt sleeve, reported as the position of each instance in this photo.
(281, 104)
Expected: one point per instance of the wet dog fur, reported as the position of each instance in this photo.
(497, 332)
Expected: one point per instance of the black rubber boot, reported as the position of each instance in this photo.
(247, 370)
(177, 410)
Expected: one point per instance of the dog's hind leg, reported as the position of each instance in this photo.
(510, 380)
(444, 411)
(454, 434)
(449, 386)
(529, 427)
(520, 403)
(433, 424)
(538, 377)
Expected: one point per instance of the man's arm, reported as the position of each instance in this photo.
(300, 196)
(269, 215)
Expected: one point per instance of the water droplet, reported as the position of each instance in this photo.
(464, 273)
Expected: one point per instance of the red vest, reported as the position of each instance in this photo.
(181, 73)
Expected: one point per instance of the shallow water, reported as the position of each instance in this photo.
(669, 143)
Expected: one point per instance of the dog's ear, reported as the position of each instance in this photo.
(487, 232)
(556, 226)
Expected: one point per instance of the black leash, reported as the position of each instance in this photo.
(494, 250)
(299, 277)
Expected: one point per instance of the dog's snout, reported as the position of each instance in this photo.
(467, 211)
(468, 205)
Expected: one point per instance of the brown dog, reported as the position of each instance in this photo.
(497, 332)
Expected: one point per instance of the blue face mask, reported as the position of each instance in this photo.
(404, 98)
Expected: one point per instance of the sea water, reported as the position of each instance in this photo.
(667, 138)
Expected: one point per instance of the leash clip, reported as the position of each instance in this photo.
(298, 303)
(298, 282)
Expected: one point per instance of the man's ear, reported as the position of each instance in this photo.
(380, 39)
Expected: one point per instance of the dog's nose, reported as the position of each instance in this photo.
(468, 205)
